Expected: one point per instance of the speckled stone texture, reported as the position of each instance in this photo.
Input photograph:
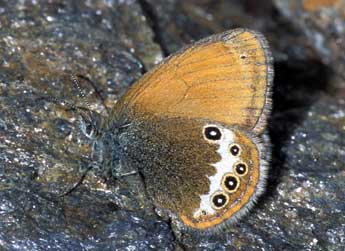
(110, 44)
(43, 153)
(323, 23)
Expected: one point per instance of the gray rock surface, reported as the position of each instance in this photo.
(323, 23)
(111, 43)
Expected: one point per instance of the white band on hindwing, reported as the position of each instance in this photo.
(223, 166)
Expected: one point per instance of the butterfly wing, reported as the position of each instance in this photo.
(184, 118)
(207, 174)
(225, 78)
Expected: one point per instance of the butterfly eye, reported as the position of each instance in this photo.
(241, 168)
(219, 200)
(235, 149)
(89, 129)
(230, 183)
(212, 133)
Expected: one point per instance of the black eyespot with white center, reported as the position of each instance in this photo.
(219, 200)
(241, 168)
(235, 150)
(230, 183)
(212, 133)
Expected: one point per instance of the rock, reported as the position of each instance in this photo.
(109, 44)
(43, 153)
(323, 23)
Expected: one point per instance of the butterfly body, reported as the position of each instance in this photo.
(194, 127)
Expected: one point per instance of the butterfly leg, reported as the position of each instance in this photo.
(121, 171)
(80, 181)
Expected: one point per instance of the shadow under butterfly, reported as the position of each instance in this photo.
(194, 127)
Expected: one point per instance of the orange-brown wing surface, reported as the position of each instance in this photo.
(225, 78)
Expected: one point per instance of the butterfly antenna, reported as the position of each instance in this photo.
(89, 123)
(61, 102)
(81, 93)
(94, 86)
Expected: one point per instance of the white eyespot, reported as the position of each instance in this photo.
(230, 183)
(235, 150)
(212, 133)
(240, 168)
(243, 56)
(219, 200)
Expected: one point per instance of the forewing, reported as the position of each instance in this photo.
(225, 78)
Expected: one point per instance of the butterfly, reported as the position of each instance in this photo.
(194, 127)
